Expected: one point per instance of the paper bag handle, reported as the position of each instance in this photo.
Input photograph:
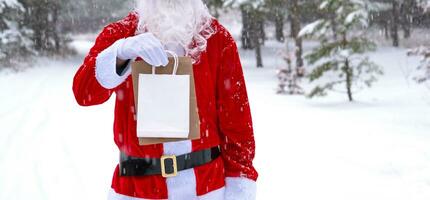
(175, 64)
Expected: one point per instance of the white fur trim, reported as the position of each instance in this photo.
(115, 196)
(182, 186)
(240, 188)
(177, 148)
(106, 67)
(214, 195)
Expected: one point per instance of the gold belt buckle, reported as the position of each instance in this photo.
(163, 166)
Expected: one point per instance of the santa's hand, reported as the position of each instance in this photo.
(144, 45)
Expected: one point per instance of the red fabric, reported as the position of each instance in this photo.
(222, 104)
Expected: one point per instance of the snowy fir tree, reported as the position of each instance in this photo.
(90, 15)
(33, 27)
(288, 75)
(14, 38)
(423, 70)
(341, 60)
(48, 36)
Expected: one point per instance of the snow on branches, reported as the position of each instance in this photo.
(340, 59)
(424, 66)
(13, 39)
(423, 70)
(9, 3)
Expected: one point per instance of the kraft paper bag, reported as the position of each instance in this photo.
(167, 111)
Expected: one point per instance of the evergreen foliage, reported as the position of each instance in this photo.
(340, 58)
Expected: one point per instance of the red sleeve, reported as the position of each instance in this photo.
(86, 88)
(234, 114)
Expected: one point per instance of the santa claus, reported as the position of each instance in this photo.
(215, 167)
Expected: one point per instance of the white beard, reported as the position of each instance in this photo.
(183, 22)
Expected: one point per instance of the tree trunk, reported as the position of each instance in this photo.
(246, 29)
(258, 35)
(55, 33)
(299, 52)
(216, 13)
(395, 23)
(347, 69)
(333, 25)
(386, 29)
(407, 12)
(37, 38)
(406, 31)
(295, 29)
(253, 35)
(349, 75)
(279, 24)
(36, 25)
(258, 55)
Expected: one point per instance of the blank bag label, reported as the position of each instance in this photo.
(163, 106)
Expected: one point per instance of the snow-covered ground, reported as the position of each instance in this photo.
(377, 148)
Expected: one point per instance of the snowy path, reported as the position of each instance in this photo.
(44, 154)
(375, 149)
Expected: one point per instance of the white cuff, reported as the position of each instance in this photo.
(106, 67)
(240, 188)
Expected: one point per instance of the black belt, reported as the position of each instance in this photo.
(167, 165)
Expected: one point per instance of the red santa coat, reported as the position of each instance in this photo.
(224, 115)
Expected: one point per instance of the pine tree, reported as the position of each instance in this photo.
(215, 6)
(276, 11)
(253, 20)
(14, 37)
(341, 59)
(91, 15)
(42, 18)
(253, 34)
(288, 77)
(422, 73)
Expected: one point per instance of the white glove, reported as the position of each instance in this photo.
(144, 45)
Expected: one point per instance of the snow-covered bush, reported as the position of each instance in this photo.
(340, 58)
(424, 68)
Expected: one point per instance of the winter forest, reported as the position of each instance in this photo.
(339, 92)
